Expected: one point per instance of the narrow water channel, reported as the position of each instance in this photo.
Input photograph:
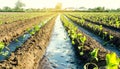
(97, 38)
(18, 42)
(60, 51)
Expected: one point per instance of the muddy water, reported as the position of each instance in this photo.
(60, 51)
(98, 39)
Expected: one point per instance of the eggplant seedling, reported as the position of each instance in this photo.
(110, 37)
(83, 39)
(94, 54)
(117, 24)
(100, 28)
(16, 40)
(112, 61)
(36, 28)
(2, 45)
(104, 34)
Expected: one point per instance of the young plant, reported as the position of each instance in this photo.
(110, 37)
(104, 34)
(100, 28)
(112, 61)
(23, 36)
(117, 24)
(2, 45)
(36, 28)
(83, 39)
(16, 40)
(94, 54)
(32, 32)
(82, 21)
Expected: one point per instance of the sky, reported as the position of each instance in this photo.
(110, 4)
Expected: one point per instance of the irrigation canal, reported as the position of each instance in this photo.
(60, 51)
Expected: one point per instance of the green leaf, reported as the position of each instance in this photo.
(36, 28)
(112, 61)
(81, 53)
(2, 45)
(83, 39)
(73, 42)
(94, 53)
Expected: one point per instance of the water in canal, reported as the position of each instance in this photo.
(60, 51)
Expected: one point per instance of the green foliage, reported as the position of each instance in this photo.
(81, 53)
(1, 22)
(2, 45)
(94, 54)
(83, 39)
(112, 61)
(4, 53)
(36, 28)
(73, 42)
(16, 40)
(18, 6)
(74, 34)
(117, 24)
(6, 9)
(111, 37)
(104, 34)
(100, 28)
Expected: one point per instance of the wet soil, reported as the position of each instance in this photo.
(9, 32)
(30, 54)
(116, 35)
(99, 23)
(88, 47)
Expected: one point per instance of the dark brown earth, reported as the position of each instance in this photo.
(99, 23)
(32, 51)
(103, 24)
(89, 46)
(11, 31)
(116, 35)
(44, 64)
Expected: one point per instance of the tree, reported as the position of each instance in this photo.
(100, 8)
(0, 9)
(118, 9)
(97, 9)
(58, 6)
(19, 6)
(7, 9)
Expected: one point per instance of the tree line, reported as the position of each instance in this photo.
(19, 8)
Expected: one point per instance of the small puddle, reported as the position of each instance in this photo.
(18, 42)
(60, 51)
(97, 38)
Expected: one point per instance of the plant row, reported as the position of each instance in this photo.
(107, 35)
(32, 32)
(30, 54)
(111, 20)
(14, 30)
(89, 50)
(12, 17)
